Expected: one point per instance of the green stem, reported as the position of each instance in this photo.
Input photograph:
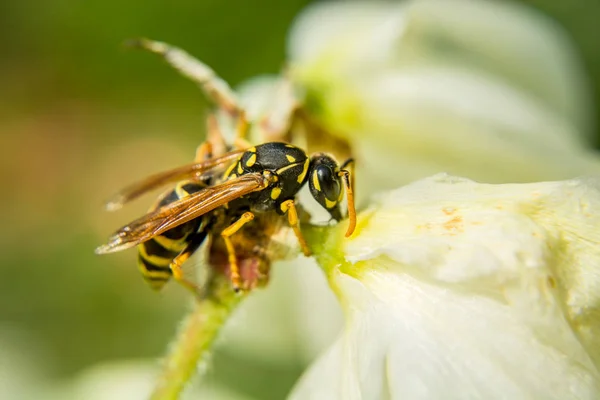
(194, 340)
(325, 244)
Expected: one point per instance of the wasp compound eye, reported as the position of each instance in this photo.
(325, 184)
(329, 183)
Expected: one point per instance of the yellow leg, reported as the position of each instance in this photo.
(182, 258)
(289, 208)
(204, 152)
(226, 234)
(215, 136)
(241, 130)
(214, 145)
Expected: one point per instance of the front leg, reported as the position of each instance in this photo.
(289, 207)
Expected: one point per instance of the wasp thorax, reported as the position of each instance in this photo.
(325, 183)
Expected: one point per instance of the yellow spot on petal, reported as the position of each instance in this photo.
(449, 210)
(455, 225)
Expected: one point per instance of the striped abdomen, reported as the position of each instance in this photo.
(156, 254)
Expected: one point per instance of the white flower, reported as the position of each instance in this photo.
(458, 290)
(488, 90)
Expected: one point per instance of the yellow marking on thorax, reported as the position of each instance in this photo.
(251, 160)
(304, 171)
(290, 158)
(275, 193)
(316, 183)
(282, 170)
(240, 170)
(289, 146)
(252, 150)
(329, 204)
(230, 169)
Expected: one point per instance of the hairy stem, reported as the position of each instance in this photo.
(195, 339)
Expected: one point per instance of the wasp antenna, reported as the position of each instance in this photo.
(350, 197)
(349, 161)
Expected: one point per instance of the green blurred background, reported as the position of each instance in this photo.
(80, 117)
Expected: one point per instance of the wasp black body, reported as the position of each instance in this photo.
(217, 195)
(289, 168)
(157, 254)
(262, 179)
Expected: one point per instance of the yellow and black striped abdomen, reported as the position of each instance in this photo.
(156, 254)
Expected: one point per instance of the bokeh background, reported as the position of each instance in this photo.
(80, 117)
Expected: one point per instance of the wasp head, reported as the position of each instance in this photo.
(325, 183)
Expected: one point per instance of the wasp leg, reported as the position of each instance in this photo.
(204, 152)
(215, 136)
(214, 145)
(215, 88)
(226, 234)
(185, 254)
(289, 208)
(240, 140)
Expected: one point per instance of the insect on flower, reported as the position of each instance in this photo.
(219, 194)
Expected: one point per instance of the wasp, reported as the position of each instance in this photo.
(226, 191)
(262, 179)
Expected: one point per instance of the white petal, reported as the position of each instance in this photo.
(454, 289)
(341, 41)
(511, 41)
(426, 120)
(482, 89)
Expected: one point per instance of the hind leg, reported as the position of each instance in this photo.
(176, 264)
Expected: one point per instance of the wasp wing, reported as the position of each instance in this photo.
(181, 211)
(197, 171)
